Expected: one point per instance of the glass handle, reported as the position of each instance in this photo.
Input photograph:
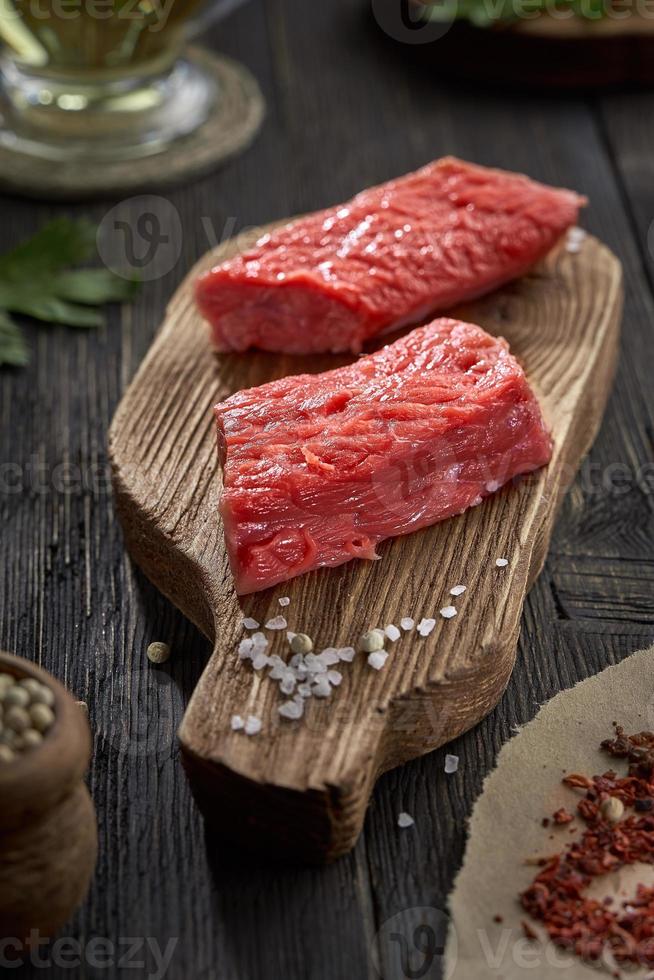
(215, 11)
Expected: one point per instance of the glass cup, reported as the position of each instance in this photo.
(102, 80)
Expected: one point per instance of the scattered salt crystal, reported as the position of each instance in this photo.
(314, 664)
(392, 632)
(425, 626)
(259, 660)
(284, 601)
(334, 677)
(329, 656)
(347, 654)
(407, 623)
(501, 562)
(291, 709)
(576, 237)
(250, 624)
(276, 660)
(276, 623)
(245, 648)
(290, 635)
(252, 725)
(288, 683)
(377, 659)
(322, 688)
(492, 486)
(448, 612)
(304, 690)
(260, 641)
(451, 763)
(405, 820)
(237, 723)
(458, 589)
(278, 671)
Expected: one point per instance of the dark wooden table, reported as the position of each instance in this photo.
(346, 109)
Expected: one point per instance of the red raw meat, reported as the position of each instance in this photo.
(395, 254)
(319, 468)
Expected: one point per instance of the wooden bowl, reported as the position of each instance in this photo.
(48, 834)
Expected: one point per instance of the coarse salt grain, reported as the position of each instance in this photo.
(259, 660)
(314, 664)
(451, 763)
(407, 623)
(260, 641)
(447, 612)
(304, 690)
(322, 688)
(458, 589)
(245, 648)
(334, 677)
(276, 623)
(329, 656)
(377, 659)
(290, 636)
(347, 654)
(237, 723)
(291, 710)
(288, 683)
(252, 725)
(405, 820)
(501, 562)
(250, 624)
(425, 626)
(392, 632)
(284, 601)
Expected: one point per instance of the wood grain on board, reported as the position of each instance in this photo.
(303, 787)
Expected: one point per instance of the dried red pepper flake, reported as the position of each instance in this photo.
(556, 897)
(562, 816)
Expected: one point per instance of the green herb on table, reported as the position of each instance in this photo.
(39, 279)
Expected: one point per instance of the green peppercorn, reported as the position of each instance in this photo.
(30, 739)
(39, 693)
(41, 716)
(15, 695)
(17, 719)
(158, 653)
(372, 642)
(301, 643)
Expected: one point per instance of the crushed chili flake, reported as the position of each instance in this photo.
(562, 816)
(585, 926)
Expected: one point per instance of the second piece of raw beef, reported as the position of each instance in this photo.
(390, 257)
(320, 468)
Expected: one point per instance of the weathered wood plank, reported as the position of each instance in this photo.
(342, 114)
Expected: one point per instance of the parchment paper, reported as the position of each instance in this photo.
(506, 827)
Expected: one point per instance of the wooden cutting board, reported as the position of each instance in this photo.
(299, 790)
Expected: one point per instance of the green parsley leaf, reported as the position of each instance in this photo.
(13, 349)
(36, 280)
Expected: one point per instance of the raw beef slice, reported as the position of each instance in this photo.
(393, 255)
(320, 468)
